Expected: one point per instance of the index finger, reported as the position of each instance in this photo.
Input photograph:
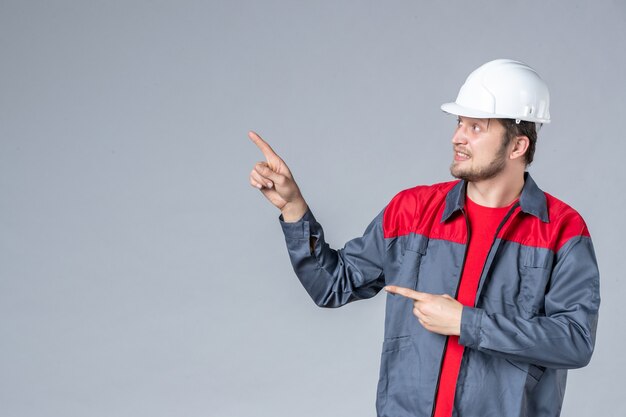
(263, 146)
(407, 292)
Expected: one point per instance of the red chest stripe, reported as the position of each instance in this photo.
(419, 210)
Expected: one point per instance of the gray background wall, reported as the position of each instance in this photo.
(140, 274)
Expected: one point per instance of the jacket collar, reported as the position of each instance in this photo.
(532, 200)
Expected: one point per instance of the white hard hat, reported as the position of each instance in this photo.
(503, 89)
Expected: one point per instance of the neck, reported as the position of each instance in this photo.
(499, 191)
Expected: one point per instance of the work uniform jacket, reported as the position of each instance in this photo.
(535, 311)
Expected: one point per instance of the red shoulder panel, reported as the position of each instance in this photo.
(419, 210)
(565, 223)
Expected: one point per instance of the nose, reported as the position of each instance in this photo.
(459, 136)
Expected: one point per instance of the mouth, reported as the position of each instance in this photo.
(461, 156)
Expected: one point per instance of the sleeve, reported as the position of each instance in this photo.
(336, 277)
(565, 336)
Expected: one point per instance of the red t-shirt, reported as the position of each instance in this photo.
(484, 222)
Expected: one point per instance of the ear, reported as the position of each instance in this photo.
(520, 146)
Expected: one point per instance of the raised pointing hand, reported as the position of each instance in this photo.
(274, 179)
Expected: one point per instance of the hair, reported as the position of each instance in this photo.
(524, 128)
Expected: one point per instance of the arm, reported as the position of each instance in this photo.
(331, 277)
(565, 336)
(336, 277)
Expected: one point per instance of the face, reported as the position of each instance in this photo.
(479, 149)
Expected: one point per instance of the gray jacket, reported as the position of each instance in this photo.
(535, 312)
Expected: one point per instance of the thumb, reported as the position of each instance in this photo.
(264, 170)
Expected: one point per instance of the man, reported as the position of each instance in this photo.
(493, 284)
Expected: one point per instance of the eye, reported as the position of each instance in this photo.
(475, 128)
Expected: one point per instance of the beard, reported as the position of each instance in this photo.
(476, 174)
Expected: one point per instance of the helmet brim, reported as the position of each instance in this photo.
(457, 110)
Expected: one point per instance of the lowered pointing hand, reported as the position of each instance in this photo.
(437, 313)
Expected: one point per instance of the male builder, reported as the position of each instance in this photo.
(493, 284)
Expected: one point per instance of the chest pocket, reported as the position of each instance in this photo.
(535, 276)
(413, 249)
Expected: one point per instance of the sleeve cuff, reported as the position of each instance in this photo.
(471, 319)
(300, 229)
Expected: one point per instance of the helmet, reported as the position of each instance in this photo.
(503, 89)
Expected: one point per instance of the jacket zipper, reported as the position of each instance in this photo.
(502, 223)
(456, 294)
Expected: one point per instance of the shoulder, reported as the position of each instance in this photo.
(402, 210)
(565, 222)
(421, 193)
(564, 225)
